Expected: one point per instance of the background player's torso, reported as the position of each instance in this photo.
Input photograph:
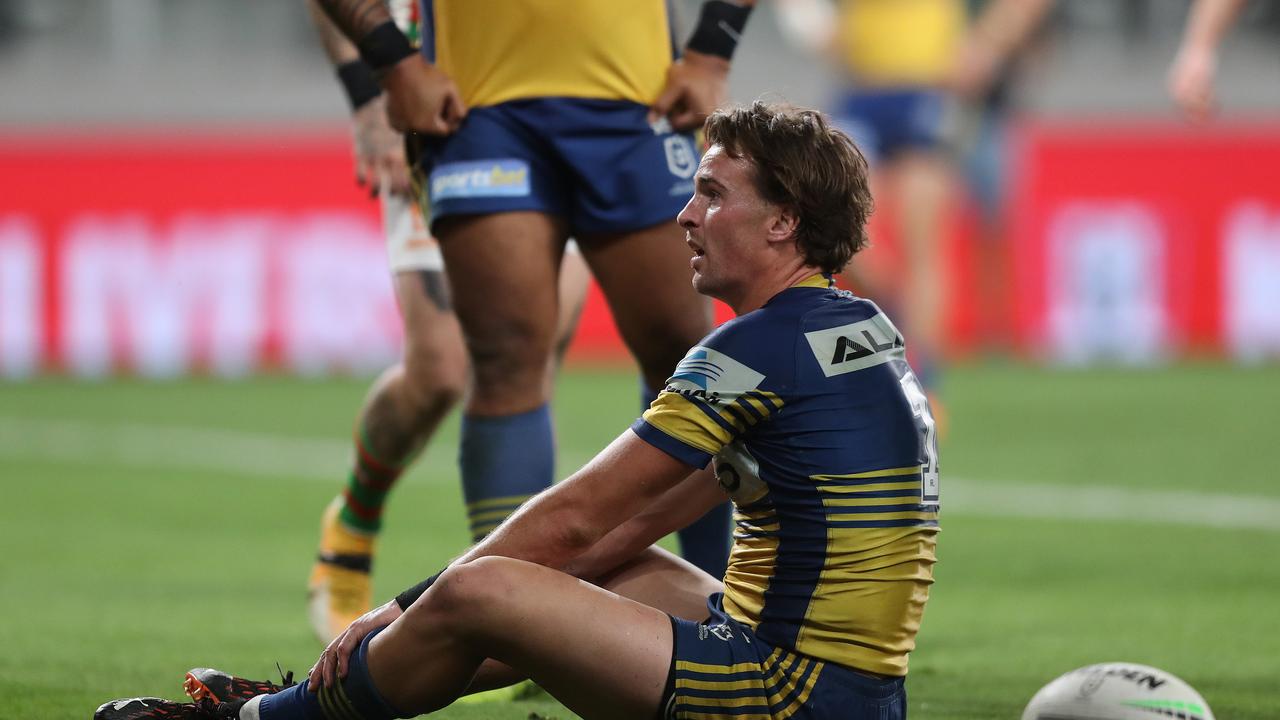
(499, 50)
(896, 43)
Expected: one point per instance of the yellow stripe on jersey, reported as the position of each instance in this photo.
(505, 50)
(752, 563)
(890, 472)
(855, 502)
(889, 43)
(677, 416)
(870, 598)
(840, 490)
(771, 397)
(756, 404)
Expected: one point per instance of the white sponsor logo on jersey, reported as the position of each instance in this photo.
(712, 376)
(856, 346)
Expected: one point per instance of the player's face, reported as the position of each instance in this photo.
(725, 223)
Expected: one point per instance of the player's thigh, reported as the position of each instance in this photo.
(502, 271)
(664, 581)
(601, 654)
(646, 280)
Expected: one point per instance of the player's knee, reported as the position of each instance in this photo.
(664, 347)
(435, 376)
(509, 361)
(468, 596)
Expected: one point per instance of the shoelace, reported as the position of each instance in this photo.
(286, 678)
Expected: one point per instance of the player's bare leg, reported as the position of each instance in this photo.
(645, 277)
(503, 269)
(922, 182)
(575, 276)
(400, 413)
(536, 620)
(655, 578)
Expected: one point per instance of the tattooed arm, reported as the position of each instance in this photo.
(420, 97)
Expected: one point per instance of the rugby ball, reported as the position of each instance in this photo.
(1117, 691)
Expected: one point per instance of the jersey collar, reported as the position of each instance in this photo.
(816, 280)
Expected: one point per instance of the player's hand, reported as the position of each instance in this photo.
(333, 662)
(696, 85)
(379, 150)
(1191, 82)
(421, 97)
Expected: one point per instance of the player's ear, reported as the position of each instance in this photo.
(783, 223)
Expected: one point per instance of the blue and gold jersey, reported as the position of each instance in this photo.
(819, 431)
(500, 50)
(891, 43)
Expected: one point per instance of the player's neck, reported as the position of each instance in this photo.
(769, 284)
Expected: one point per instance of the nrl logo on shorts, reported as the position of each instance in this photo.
(721, 632)
(681, 160)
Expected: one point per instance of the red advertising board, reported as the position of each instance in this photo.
(1138, 242)
(235, 251)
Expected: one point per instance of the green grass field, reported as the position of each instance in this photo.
(1087, 516)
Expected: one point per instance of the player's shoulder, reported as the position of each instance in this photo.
(850, 333)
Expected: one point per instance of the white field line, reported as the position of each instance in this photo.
(178, 448)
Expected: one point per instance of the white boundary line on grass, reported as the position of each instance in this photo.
(176, 447)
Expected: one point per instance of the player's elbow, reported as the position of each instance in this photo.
(574, 528)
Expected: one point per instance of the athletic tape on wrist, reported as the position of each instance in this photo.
(358, 81)
(719, 28)
(384, 46)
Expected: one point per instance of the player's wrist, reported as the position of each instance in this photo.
(705, 63)
(358, 83)
(719, 28)
(384, 46)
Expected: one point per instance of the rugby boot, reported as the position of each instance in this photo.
(340, 589)
(154, 708)
(221, 687)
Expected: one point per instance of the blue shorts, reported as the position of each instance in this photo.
(886, 122)
(596, 163)
(720, 669)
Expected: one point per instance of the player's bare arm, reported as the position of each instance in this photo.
(1191, 76)
(560, 524)
(357, 18)
(377, 148)
(689, 500)
(995, 37)
(697, 83)
(420, 96)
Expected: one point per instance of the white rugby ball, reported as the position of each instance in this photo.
(1117, 691)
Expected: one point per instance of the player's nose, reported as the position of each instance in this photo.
(688, 215)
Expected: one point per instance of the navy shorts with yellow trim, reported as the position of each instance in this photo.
(597, 163)
(885, 122)
(722, 671)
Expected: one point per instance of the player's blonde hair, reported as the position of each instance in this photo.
(804, 163)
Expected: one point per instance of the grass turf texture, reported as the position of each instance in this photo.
(141, 541)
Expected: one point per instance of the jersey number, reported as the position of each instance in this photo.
(929, 437)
